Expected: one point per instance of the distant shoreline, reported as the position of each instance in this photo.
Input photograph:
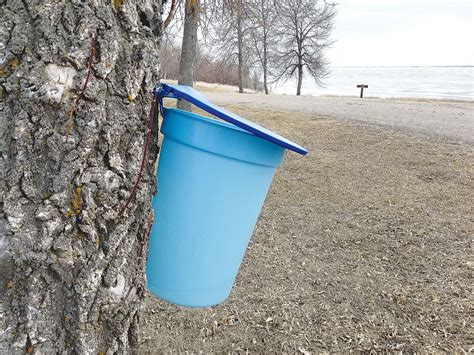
(440, 82)
(215, 87)
(389, 98)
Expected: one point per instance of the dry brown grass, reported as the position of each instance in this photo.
(364, 244)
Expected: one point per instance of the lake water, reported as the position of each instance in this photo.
(431, 82)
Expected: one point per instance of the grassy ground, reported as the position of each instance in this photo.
(364, 244)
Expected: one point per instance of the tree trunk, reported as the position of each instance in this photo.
(240, 49)
(164, 59)
(71, 272)
(300, 79)
(188, 48)
(265, 65)
(265, 46)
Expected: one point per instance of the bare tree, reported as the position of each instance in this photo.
(231, 25)
(209, 17)
(75, 88)
(169, 57)
(304, 29)
(263, 18)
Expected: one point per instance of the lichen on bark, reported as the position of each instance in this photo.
(70, 272)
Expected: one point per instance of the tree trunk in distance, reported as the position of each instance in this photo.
(300, 79)
(265, 49)
(188, 48)
(265, 66)
(240, 48)
(71, 273)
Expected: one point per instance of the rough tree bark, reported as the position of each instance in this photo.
(188, 48)
(71, 273)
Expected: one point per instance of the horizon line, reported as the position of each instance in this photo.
(404, 66)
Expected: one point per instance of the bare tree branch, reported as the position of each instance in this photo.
(171, 13)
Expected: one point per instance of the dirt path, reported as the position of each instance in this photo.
(452, 119)
(364, 244)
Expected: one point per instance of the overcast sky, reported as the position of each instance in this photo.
(403, 32)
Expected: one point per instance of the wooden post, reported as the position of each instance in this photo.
(362, 87)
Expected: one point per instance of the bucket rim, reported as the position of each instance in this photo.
(223, 138)
(211, 120)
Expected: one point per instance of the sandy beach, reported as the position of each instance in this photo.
(364, 244)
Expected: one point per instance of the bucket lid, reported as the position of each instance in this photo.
(191, 95)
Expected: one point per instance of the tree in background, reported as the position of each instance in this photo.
(261, 38)
(304, 28)
(170, 51)
(71, 271)
(222, 52)
(262, 34)
(170, 55)
(206, 68)
(232, 25)
(188, 48)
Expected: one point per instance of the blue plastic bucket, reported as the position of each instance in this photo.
(212, 181)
